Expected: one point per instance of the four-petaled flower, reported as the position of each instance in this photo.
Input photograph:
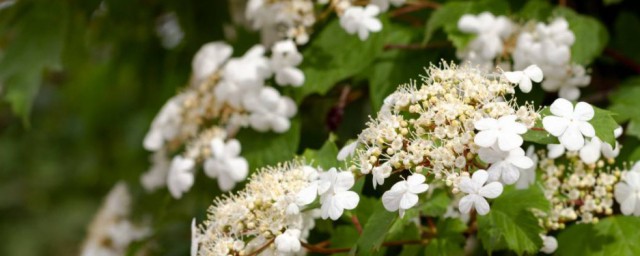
(404, 194)
(225, 163)
(289, 241)
(505, 131)
(284, 59)
(477, 191)
(505, 165)
(333, 188)
(627, 193)
(523, 78)
(361, 20)
(568, 124)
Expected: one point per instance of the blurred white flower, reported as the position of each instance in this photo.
(384, 4)
(404, 194)
(627, 193)
(337, 197)
(505, 131)
(269, 110)
(289, 241)
(505, 165)
(225, 163)
(180, 178)
(165, 125)
(169, 30)
(528, 175)
(361, 20)
(477, 191)
(549, 244)
(568, 124)
(209, 59)
(195, 238)
(284, 60)
(524, 78)
(156, 176)
(490, 31)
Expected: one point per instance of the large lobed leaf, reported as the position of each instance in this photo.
(616, 235)
(510, 222)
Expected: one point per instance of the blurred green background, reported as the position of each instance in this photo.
(83, 80)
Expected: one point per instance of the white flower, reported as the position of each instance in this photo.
(195, 239)
(569, 124)
(156, 176)
(225, 163)
(627, 193)
(528, 175)
(555, 150)
(284, 59)
(490, 30)
(505, 165)
(361, 20)
(180, 178)
(289, 241)
(549, 244)
(165, 125)
(524, 78)
(609, 151)
(347, 151)
(590, 153)
(269, 110)
(209, 59)
(337, 197)
(506, 131)
(477, 191)
(243, 75)
(380, 173)
(404, 194)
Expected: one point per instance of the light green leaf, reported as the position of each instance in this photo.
(262, 149)
(625, 103)
(335, 55)
(344, 236)
(510, 221)
(538, 134)
(617, 235)
(375, 230)
(539, 10)
(436, 206)
(591, 36)
(604, 124)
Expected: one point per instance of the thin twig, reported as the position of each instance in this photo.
(316, 249)
(415, 47)
(414, 7)
(356, 223)
(624, 60)
(262, 248)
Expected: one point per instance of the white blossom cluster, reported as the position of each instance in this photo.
(272, 215)
(225, 95)
(461, 120)
(502, 42)
(111, 231)
(294, 19)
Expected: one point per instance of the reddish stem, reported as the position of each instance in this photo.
(624, 60)
(356, 223)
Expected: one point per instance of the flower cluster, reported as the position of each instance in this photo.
(459, 117)
(275, 207)
(111, 232)
(225, 95)
(294, 19)
(512, 46)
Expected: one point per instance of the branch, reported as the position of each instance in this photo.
(356, 223)
(316, 249)
(415, 47)
(624, 60)
(414, 7)
(262, 248)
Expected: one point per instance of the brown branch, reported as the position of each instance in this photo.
(262, 248)
(562, 2)
(414, 7)
(316, 249)
(356, 223)
(624, 60)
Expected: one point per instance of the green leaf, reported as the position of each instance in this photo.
(344, 236)
(538, 134)
(511, 222)
(334, 55)
(448, 14)
(262, 149)
(436, 206)
(375, 230)
(616, 235)
(395, 67)
(604, 124)
(624, 102)
(324, 157)
(31, 51)
(591, 36)
(449, 239)
(539, 10)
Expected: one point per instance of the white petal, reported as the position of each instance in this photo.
(391, 200)
(468, 186)
(232, 148)
(348, 199)
(347, 150)
(561, 107)
(525, 84)
(514, 77)
(555, 125)
(486, 124)
(408, 200)
(572, 138)
(479, 177)
(308, 194)
(534, 73)
(555, 150)
(628, 205)
(465, 203)
(491, 190)
(481, 205)
(510, 174)
(586, 128)
(509, 141)
(468, 23)
(583, 111)
(486, 138)
(239, 168)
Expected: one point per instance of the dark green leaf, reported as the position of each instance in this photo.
(324, 157)
(611, 236)
(262, 149)
(511, 222)
(334, 55)
(375, 230)
(449, 239)
(437, 205)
